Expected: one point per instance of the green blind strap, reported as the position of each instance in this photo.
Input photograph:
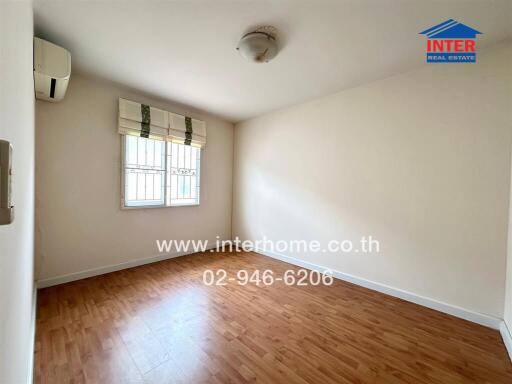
(188, 132)
(146, 120)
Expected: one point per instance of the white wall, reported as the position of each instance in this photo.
(420, 161)
(16, 240)
(79, 223)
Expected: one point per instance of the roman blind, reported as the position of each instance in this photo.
(145, 121)
(185, 130)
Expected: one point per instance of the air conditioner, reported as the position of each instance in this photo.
(52, 68)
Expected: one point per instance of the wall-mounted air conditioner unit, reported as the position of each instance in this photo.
(52, 68)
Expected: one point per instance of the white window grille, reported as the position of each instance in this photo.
(160, 174)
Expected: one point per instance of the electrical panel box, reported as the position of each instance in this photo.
(6, 204)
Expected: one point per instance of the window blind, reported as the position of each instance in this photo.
(145, 121)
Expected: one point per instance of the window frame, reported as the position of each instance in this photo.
(153, 206)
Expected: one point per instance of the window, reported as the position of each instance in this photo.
(159, 173)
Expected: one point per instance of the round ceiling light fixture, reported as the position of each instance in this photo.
(259, 46)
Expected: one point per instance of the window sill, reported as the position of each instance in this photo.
(130, 208)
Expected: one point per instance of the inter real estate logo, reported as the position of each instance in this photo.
(451, 42)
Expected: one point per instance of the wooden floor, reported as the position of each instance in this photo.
(159, 324)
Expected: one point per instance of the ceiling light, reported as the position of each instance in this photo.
(259, 46)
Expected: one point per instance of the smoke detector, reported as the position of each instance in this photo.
(259, 46)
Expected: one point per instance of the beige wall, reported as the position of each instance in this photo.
(420, 161)
(79, 223)
(508, 294)
(16, 239)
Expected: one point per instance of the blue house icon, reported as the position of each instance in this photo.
(451, 29)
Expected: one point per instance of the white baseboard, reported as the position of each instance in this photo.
(507, 338)
(44, 283)
(475, 317)
(30, 376)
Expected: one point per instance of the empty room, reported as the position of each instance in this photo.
(273, 191)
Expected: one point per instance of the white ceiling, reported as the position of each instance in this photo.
(185, 50)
